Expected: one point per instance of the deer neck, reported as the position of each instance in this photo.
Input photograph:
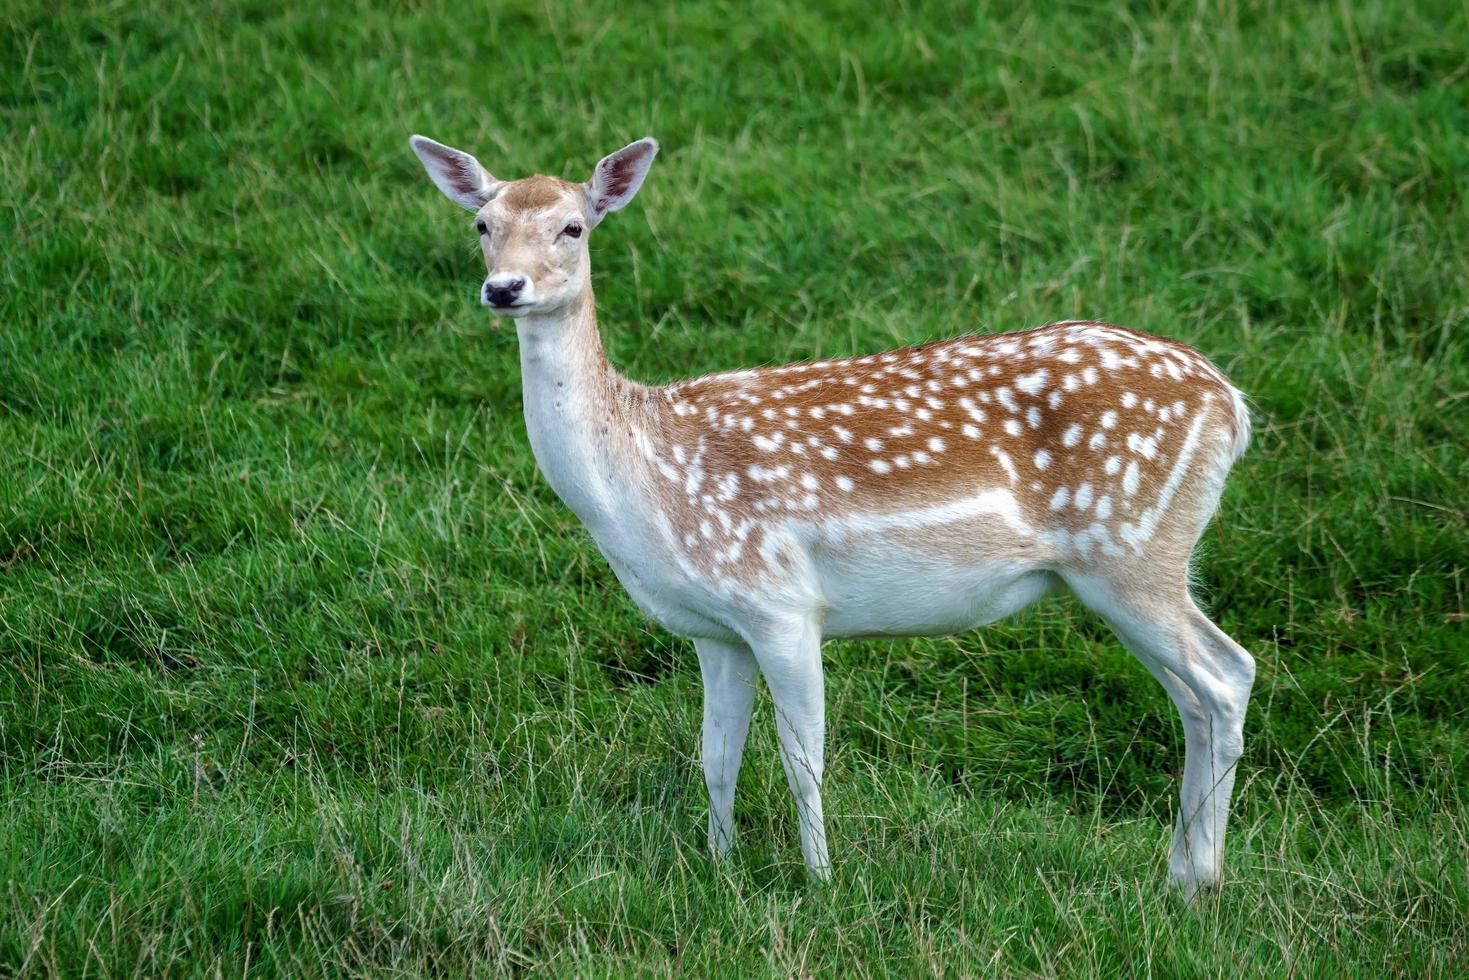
(579, 413)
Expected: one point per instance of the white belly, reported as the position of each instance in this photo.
(890, 592)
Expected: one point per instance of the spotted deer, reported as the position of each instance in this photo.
(914, 492)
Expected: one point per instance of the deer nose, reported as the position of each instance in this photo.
(504, 293)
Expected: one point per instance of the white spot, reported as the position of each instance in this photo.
(1007, 398)
(872, 444)
(1083, 497)
(1109, 419)
(1147, 448)
(1042, 460)
(881, 466)
(809, 481)
(844, 483)
(829, 452)
(1059, 498)
(1128, 399)
(936, 444)
(1072, 436)
(973, 410)
(1054, 400)
(1005, 463)
(1090, 375)
(970, 431)
(1104, 508)
(1031, 383)
(1097, 441)
(1130, 478)
(1069, 382)
(1070, 355)
(845, 435)
(1114, 463)
(1033, 417)
(1012, 427)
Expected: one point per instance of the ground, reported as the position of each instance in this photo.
(304, 671)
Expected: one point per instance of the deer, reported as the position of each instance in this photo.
(914, 492)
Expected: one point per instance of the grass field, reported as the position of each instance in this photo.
(304, 671)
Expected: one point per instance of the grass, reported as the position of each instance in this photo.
(304, 671)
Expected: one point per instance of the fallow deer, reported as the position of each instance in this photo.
(919, 491)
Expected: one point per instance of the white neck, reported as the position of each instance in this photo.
(576, 411)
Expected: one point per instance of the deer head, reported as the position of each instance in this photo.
(533, 231)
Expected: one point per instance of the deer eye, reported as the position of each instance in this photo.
(572, 230)
(481, 227)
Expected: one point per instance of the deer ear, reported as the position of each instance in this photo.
(456, 173)
(618, 177)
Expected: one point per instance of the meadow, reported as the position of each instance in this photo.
(305, 672)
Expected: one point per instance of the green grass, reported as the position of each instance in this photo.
(303, 670)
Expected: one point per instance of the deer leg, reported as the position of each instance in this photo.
(729, 671)
(1226, 672)
(791, 664)
(1208, 676)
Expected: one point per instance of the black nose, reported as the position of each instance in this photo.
(503, 294)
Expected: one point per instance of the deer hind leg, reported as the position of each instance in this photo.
(730, 675)
(1208, 676)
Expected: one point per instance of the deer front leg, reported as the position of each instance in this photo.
(729, 694)
(791, 664)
